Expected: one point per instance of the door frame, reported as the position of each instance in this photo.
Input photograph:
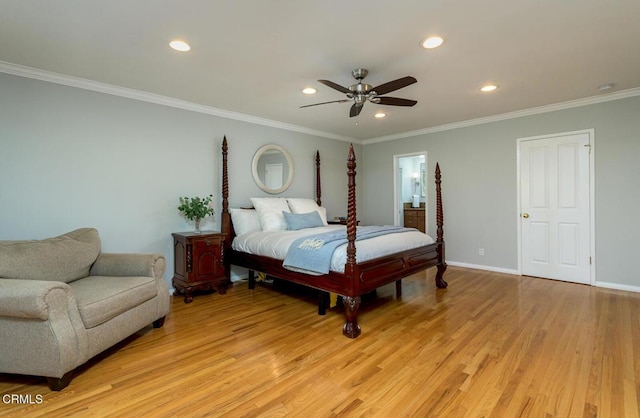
(592, 193)
(396, 165)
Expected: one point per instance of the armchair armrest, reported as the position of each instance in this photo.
(32, 299)
(116, 264)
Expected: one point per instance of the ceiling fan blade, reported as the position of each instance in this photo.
(355, 110)
(395, 101)
(393, 85)
(333, 101)
(335, 86)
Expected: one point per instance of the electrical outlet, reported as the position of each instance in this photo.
(480, 251)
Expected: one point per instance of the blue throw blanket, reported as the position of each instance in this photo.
(312, 254)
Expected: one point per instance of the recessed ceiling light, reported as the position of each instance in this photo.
(379, 115)
(488, 88)
(181, 46)
(432, 42)
(309, 90)
(606, 87)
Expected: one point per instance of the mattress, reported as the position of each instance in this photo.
(275, 244)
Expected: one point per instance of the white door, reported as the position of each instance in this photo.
(555, 207)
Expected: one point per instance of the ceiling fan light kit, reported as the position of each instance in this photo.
(360, 93)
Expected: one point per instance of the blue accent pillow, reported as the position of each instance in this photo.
(297, 221)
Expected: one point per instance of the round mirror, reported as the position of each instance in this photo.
(272, 169)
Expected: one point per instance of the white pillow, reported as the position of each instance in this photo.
(301, 205)
(323, 214)
(245, 220)
(270, 212)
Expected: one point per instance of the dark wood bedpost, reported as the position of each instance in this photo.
(439, 214)
(323, 297)
(225, 221)
(442, 267)
(351, 327)
(351, 208)
(225, 176)
(318, 187)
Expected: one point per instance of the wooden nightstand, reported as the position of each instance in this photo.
(199, 263)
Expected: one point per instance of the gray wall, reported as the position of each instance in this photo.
(479, 166)
(72, 158)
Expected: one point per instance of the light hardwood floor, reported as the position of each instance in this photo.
(489, 345)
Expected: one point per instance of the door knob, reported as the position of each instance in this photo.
(525, 215)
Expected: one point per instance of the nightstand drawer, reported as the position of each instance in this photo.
(205, 243)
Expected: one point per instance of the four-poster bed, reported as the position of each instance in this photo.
(357, 278)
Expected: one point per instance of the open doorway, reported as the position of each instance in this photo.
(410, 194)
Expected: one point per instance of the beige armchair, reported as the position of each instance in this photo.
(62, 302)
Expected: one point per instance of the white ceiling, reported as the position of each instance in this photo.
(255, 56)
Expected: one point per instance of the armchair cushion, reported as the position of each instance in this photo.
(64, 258)
(103, 298)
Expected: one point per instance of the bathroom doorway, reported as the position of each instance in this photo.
(410, 190)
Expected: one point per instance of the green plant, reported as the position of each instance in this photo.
(196, 208)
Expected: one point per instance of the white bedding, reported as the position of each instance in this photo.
(275, 244)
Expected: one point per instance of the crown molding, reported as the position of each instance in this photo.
(511, 115)
(57, 78)
(82, 83)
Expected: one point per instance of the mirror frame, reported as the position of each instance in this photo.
(254, 168)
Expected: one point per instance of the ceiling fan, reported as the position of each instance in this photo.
(360, 92)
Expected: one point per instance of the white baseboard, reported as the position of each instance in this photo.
(481, 267)
(238, 273)
(607, 285)
(618, 286)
